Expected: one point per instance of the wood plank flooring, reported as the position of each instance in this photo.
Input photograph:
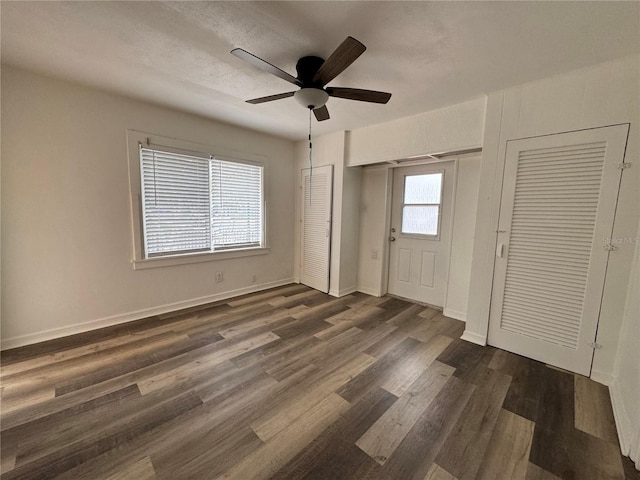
(294, 384)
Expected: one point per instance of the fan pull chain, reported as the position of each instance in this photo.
(310, 159)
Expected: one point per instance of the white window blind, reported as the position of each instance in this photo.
(195, 204)
(421, 204)
(236, 207)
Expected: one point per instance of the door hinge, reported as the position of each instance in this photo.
(609, 247)
(623, 165)
(595, 346)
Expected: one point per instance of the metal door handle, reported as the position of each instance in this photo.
(392, 239)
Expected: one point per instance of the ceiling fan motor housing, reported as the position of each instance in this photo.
(311, 95)
(307, 67)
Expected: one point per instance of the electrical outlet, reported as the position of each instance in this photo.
(254, 278)
(219, 277)
(374, 254)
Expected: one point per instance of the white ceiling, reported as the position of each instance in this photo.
(427, 54)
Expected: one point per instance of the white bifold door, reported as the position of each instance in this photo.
(557, 210)
(317, 186)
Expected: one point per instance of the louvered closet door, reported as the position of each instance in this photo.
(557, 209)
(316, 226)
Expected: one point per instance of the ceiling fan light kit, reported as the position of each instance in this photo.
(314, 74)
(311, 97)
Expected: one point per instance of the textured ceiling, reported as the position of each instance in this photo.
(428, 54)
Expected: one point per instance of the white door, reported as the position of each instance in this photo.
(420, 230)
(558, 205)
(316, 226)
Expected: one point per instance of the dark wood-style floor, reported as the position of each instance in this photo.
(292, 384)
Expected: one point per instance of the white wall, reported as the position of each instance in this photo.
(464, 220)
(352, 179)
(374, 232)
(376, 187)
(66, 222)
(329, 150)
(448, 129)
(602, 95)
(455, 127)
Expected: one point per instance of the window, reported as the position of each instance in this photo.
(421, 204)
(194, 203)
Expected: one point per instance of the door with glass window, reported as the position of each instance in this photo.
(420, 232)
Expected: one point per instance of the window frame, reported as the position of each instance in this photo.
(136, 140)
(422, 236)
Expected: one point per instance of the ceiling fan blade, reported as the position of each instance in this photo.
(270, 98)
(359, 94)
(341, 58)
(321, 113)
(264, 65)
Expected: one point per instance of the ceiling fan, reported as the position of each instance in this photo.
(313, 75)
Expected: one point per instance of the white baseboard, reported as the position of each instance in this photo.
(601, 377)
(31, 338)
(624, 425)
(454, 314)
(347, 291)
(369, 291)
(474, 338)
(342, 292)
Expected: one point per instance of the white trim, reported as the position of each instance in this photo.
(369, 291)
(335, 292)
(601, 377)
(474, 338)
(134, 140)
(197, 258)
(31, 338)
(622, 419)
(386, 244)
(447, 312)
(420, 158)
(347, 291)
(452, 313)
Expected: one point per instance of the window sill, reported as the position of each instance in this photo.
(197, 258)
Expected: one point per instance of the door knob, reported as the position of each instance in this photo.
(392, 239)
